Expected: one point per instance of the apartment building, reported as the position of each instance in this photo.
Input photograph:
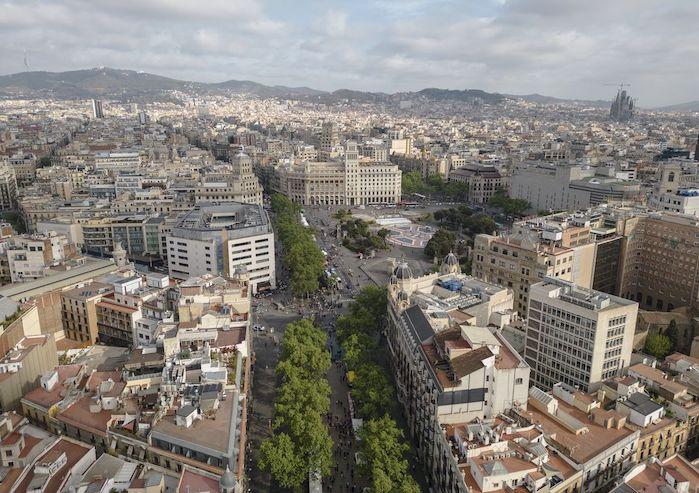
(222, 239)
(29, 257)
(519, 260)
(674, 474)
(117, 160)
(25, 168)
(583, 434)
(447, 353)
(576, 335)
(230, 183)
(481, 181)
(79, 311)
(497, 454)
(353, 181)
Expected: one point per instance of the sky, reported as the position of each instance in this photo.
(564, 48)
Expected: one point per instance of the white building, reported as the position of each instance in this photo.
(219, 239)
(577, 336)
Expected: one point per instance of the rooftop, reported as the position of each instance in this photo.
(581, 447)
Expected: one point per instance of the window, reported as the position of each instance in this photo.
(519, 381)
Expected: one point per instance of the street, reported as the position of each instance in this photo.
(323, 308)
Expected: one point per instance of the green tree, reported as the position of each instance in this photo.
(372, 390)
(304, 354)
(373, 299)
(657, 345)
(441, 243)
(515, 207)
(411, 182)
(279, 457)
(358, 349)
(384, 449)
(44, 162)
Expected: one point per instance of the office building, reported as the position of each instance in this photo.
(221, 239)
(577, 336)
(566, 186)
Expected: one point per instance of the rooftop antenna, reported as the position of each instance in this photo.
(26, 62)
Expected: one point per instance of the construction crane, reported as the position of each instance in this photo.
(620, 85)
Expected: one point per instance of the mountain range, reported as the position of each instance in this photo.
(109, 83)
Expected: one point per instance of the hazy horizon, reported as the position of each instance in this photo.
(563, 49)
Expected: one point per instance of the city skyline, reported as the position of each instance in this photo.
(379, 46)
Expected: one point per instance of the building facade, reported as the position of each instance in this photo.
(220, 239)
(577, 336)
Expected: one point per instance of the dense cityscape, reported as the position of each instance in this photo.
(236, 287)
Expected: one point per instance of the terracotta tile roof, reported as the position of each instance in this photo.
(470, 362)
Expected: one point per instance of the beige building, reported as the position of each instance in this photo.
(23, 365)
(577, 336)
(353, 181)
(231, 183)
(482, 181)
(518, 261)
(660, 261)
(79, 311)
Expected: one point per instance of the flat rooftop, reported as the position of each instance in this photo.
(236, 218)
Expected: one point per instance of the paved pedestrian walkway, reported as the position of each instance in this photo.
(345, 477)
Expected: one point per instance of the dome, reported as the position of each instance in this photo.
(402, 271)
(227, 481)
(451, 260)
(403, 296)
(393, 279)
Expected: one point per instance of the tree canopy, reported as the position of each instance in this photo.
(441, 243)
(657, 345)
(383, 450)
(302, 255)
(301, 442)
(373, 393)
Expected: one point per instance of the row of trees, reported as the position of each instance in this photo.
(302, 256)
(301, 442)
(383, 447)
